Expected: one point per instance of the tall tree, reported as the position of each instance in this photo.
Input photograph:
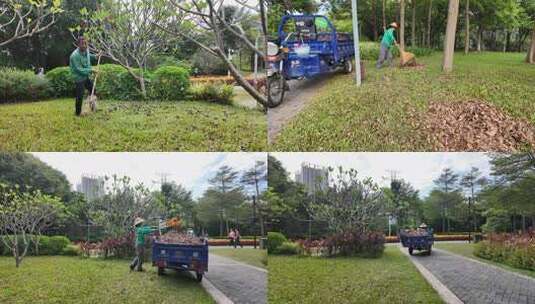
(451, 28)
(467, 27)
(531, 52)
(25, 18)
(413, 24)
(29, 172)
(402, 24)
(429, 16)
(446, 182)
(256, 176)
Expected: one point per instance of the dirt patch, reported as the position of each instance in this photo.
(416, 66)
(475, 126)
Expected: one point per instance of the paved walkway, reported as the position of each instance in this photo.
(240, 282)
(476, 282)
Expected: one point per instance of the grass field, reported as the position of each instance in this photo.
(389, 279)
(380, 115)
(75, 280)
(131, 126)
(467, 250)
(254, 257)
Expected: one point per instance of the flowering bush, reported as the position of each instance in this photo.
(120, 247)
(514, 249)
(353, 243)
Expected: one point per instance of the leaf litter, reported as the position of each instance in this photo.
(475, 126)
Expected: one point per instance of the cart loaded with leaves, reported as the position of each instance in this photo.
(417, 239)
(181, 251)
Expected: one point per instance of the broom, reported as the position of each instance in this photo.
(91, 100)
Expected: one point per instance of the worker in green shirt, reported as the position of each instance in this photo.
(389, 39)
(80, 64)
(141, 232)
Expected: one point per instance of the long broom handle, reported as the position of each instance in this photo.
(96, 76)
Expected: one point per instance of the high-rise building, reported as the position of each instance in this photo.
(91, 186)
(313, 177)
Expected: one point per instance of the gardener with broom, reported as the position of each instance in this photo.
(389, 39)
(141, 232)
(80, 64)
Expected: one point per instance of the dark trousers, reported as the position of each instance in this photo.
(137, 262)
(80, 86)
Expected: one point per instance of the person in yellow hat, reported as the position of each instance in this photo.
(389, 39)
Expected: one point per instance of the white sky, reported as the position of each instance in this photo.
(192, 170)
(420, 169)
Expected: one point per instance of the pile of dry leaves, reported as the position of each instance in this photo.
(475, 126)
(173, 237)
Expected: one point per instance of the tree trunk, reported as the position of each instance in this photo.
(384, 16)
(413, 23)
(430, 14)
(374, 20)
(479, 38)
(262, 230)
(531, 52)
(506, 34)
(449, 45)
(402, 24)
(467, 26)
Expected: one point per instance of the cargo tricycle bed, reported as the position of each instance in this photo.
(182, 257)
(422, 241)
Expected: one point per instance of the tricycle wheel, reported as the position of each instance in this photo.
(199, 277)
(276, 88)
(429, 251)
(348, 67)
(411, 250)
(161, 270)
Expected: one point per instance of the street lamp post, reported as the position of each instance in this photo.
(356, 41)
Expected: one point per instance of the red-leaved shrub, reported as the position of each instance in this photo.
(514, 249)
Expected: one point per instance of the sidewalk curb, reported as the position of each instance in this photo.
(445, 294)
(486, 264)
(217, 295)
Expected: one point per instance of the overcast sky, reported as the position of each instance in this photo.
(420, 169)
(192, 170)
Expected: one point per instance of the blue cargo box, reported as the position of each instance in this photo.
(180, 257)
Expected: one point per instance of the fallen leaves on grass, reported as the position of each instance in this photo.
(475, 126)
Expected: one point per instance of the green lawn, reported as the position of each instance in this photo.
(131, 126)
(389, 279)
(75, 280)
(467, 250)
(255, 257)
(383, 114)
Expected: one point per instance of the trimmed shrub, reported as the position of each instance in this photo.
(53, 245)
(61, 81)
(115, 82)
(56, 244)
(352, 243)
(20, 85)
(213, 93)
(513, 249)
(71, 250)
(274, 240)
(170, 83)
(288, 248)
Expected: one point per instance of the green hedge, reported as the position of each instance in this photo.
(61, 81)
(515, 256)
(53, 245)
(169, 83)
(19, 85)
(115, 82)
(217, 93)
(274, 240)
(288, 248)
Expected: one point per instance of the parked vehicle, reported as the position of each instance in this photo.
(181, 257)
(417, 240)
(306, 46)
